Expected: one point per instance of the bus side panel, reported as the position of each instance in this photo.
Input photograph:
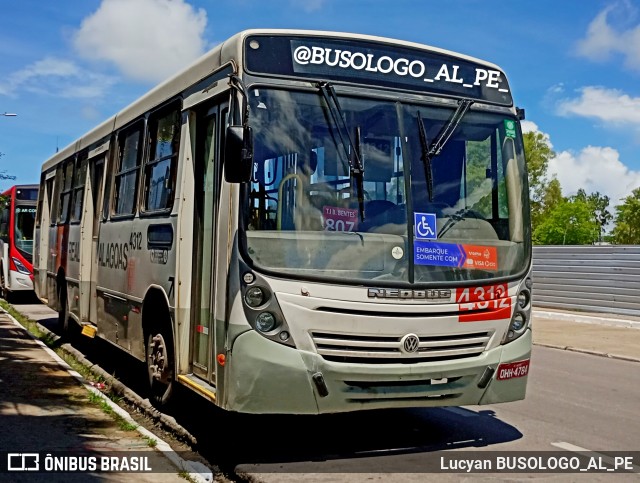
(129, 263)
(115, 265)
(72, 269)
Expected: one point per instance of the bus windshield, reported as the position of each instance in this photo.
(23, 233)
(443, 194)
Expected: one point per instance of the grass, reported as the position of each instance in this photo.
(99, 400)
(150, 441)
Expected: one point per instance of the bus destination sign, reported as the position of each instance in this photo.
(377, 64)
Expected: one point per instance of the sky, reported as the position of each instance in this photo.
(573, 65)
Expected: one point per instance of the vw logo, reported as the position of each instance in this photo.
(409, 343)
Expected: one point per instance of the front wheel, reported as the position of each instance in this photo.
(160, 366)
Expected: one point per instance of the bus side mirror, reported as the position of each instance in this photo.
(238, 154)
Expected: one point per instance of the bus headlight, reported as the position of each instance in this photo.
(517, 327)
(261, 308)
(265, 322)
(523, 299)
(254, 297)
(20, 266)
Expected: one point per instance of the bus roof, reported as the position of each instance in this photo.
(227, 51)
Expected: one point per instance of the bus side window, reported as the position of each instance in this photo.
(78, 187)
(160, 169)
(128, 161)
(67, 186)
(52, 184)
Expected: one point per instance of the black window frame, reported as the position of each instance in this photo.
(172, 108)
(79, 180)
(122, 136)
(66, 190)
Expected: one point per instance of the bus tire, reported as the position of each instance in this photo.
(63, 308)
(160, 364)
(4, 291)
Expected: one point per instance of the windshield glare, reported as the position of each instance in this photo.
(23, 233)
(302, 212)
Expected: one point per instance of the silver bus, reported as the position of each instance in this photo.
(303, 222)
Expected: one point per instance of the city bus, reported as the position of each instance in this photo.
(303, 222)
(17, 221)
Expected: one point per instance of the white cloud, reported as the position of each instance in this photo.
(148, 40)
(609, 105)
(594, 169)
(58, 78)
(603, 40)
(529, 126)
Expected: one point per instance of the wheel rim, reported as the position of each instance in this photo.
(158, 360)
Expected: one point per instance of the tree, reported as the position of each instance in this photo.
(627, 222)
(599, 206)
(538, 152)
(570, 222)
(552, 196)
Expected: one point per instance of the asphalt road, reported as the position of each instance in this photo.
(575, 402)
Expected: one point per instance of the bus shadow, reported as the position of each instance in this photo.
(395, 440)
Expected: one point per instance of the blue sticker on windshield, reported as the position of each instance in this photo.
(425, 226)
(441, 254)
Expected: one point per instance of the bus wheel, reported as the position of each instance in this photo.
(63, 311)
(4, 292)
(160, 366)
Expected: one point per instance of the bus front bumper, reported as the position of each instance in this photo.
(266, 377)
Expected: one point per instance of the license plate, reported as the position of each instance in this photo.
(512, 370)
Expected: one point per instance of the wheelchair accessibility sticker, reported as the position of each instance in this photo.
(425, 226)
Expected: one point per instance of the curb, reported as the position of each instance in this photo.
(591, 352)
(196, 470)
(587, 319)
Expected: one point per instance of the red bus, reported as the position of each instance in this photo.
(17, 219)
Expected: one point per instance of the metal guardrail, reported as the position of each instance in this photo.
(588, 278)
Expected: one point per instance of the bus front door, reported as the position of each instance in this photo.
(205, 222)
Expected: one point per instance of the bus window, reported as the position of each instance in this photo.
(129, 150)
(65, 199)
(78, 187)
(27, 194)
(25, 218)
(52, 183)
(160, 170)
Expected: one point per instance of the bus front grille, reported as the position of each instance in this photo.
(384, 349)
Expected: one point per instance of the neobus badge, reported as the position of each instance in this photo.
(394, 293)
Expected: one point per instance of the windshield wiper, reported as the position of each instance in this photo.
(431, 151)
(454, 218)
(351, 150)
(426, 158)
(448, 129)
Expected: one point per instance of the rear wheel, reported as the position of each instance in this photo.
(63, 310)
(4, 291)
(160, 364)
